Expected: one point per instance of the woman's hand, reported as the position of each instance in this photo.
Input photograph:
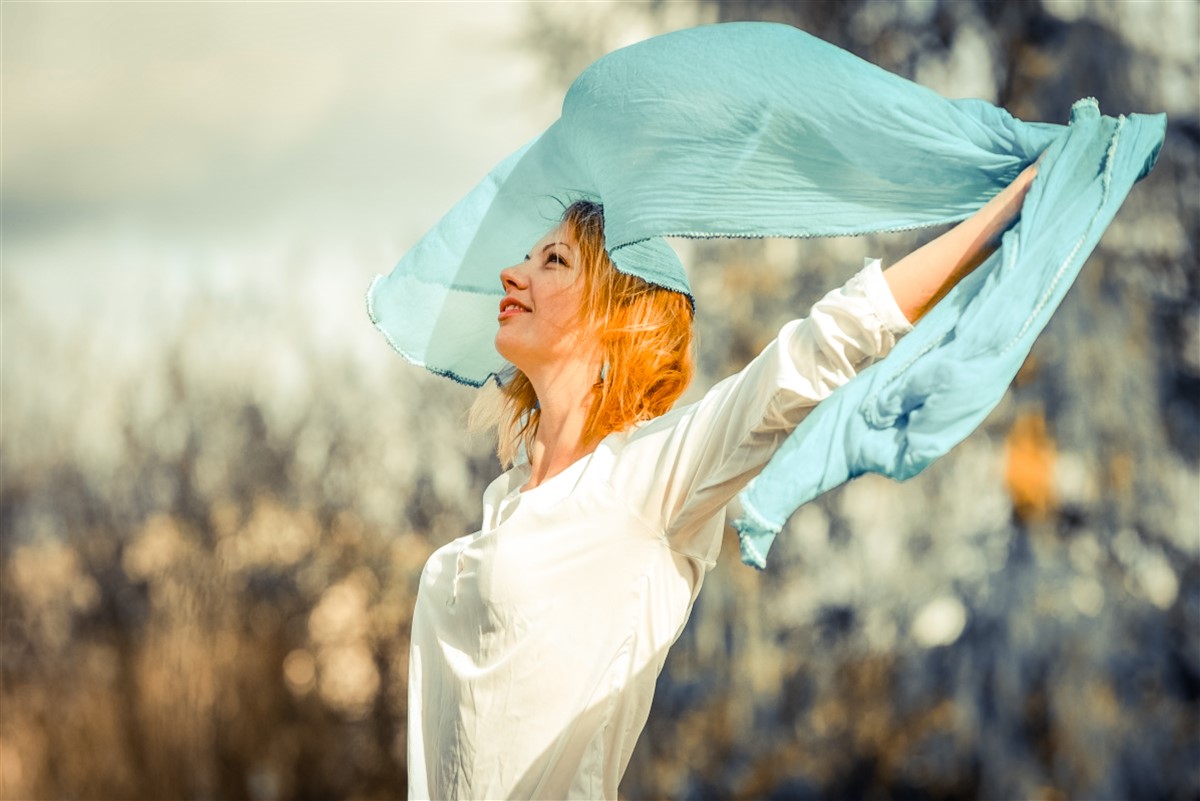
(923, 277)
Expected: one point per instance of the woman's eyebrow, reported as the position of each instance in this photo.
(570, 254)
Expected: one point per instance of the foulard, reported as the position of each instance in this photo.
(761, 130)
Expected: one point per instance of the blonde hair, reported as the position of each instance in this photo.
(642, 332)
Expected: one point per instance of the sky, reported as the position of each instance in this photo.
(192, 118)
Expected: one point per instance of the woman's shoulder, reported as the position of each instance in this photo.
(640, 457)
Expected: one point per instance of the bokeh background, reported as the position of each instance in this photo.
(218, 485)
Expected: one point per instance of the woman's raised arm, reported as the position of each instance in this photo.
(923, 277)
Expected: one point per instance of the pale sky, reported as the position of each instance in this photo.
(219, 116)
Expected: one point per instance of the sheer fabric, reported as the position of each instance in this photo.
(756, 130)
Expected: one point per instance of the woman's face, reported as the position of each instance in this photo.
(539, 314)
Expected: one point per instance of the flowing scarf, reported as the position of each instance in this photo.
(761, 130)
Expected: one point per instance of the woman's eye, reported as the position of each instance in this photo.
(555, 259)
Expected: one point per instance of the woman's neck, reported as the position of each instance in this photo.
(564, 397)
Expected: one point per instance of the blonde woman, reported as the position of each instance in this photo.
(537, 640)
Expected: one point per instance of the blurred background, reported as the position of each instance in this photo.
(218, 484)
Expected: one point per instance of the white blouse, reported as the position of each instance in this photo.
(537, 640)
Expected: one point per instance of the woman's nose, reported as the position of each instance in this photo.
(512, 277)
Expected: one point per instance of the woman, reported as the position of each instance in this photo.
(536, 641)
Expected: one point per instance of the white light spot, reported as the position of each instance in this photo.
(940, 622)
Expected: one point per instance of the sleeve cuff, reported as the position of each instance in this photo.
(879, 295)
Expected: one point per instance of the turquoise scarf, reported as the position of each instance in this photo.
(759, 130)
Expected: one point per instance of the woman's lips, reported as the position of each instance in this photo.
(510, 307)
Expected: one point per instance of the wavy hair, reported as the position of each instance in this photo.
(643, 334)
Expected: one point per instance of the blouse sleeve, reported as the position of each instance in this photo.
(682, 468)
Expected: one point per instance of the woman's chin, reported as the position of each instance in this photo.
(512, 353)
